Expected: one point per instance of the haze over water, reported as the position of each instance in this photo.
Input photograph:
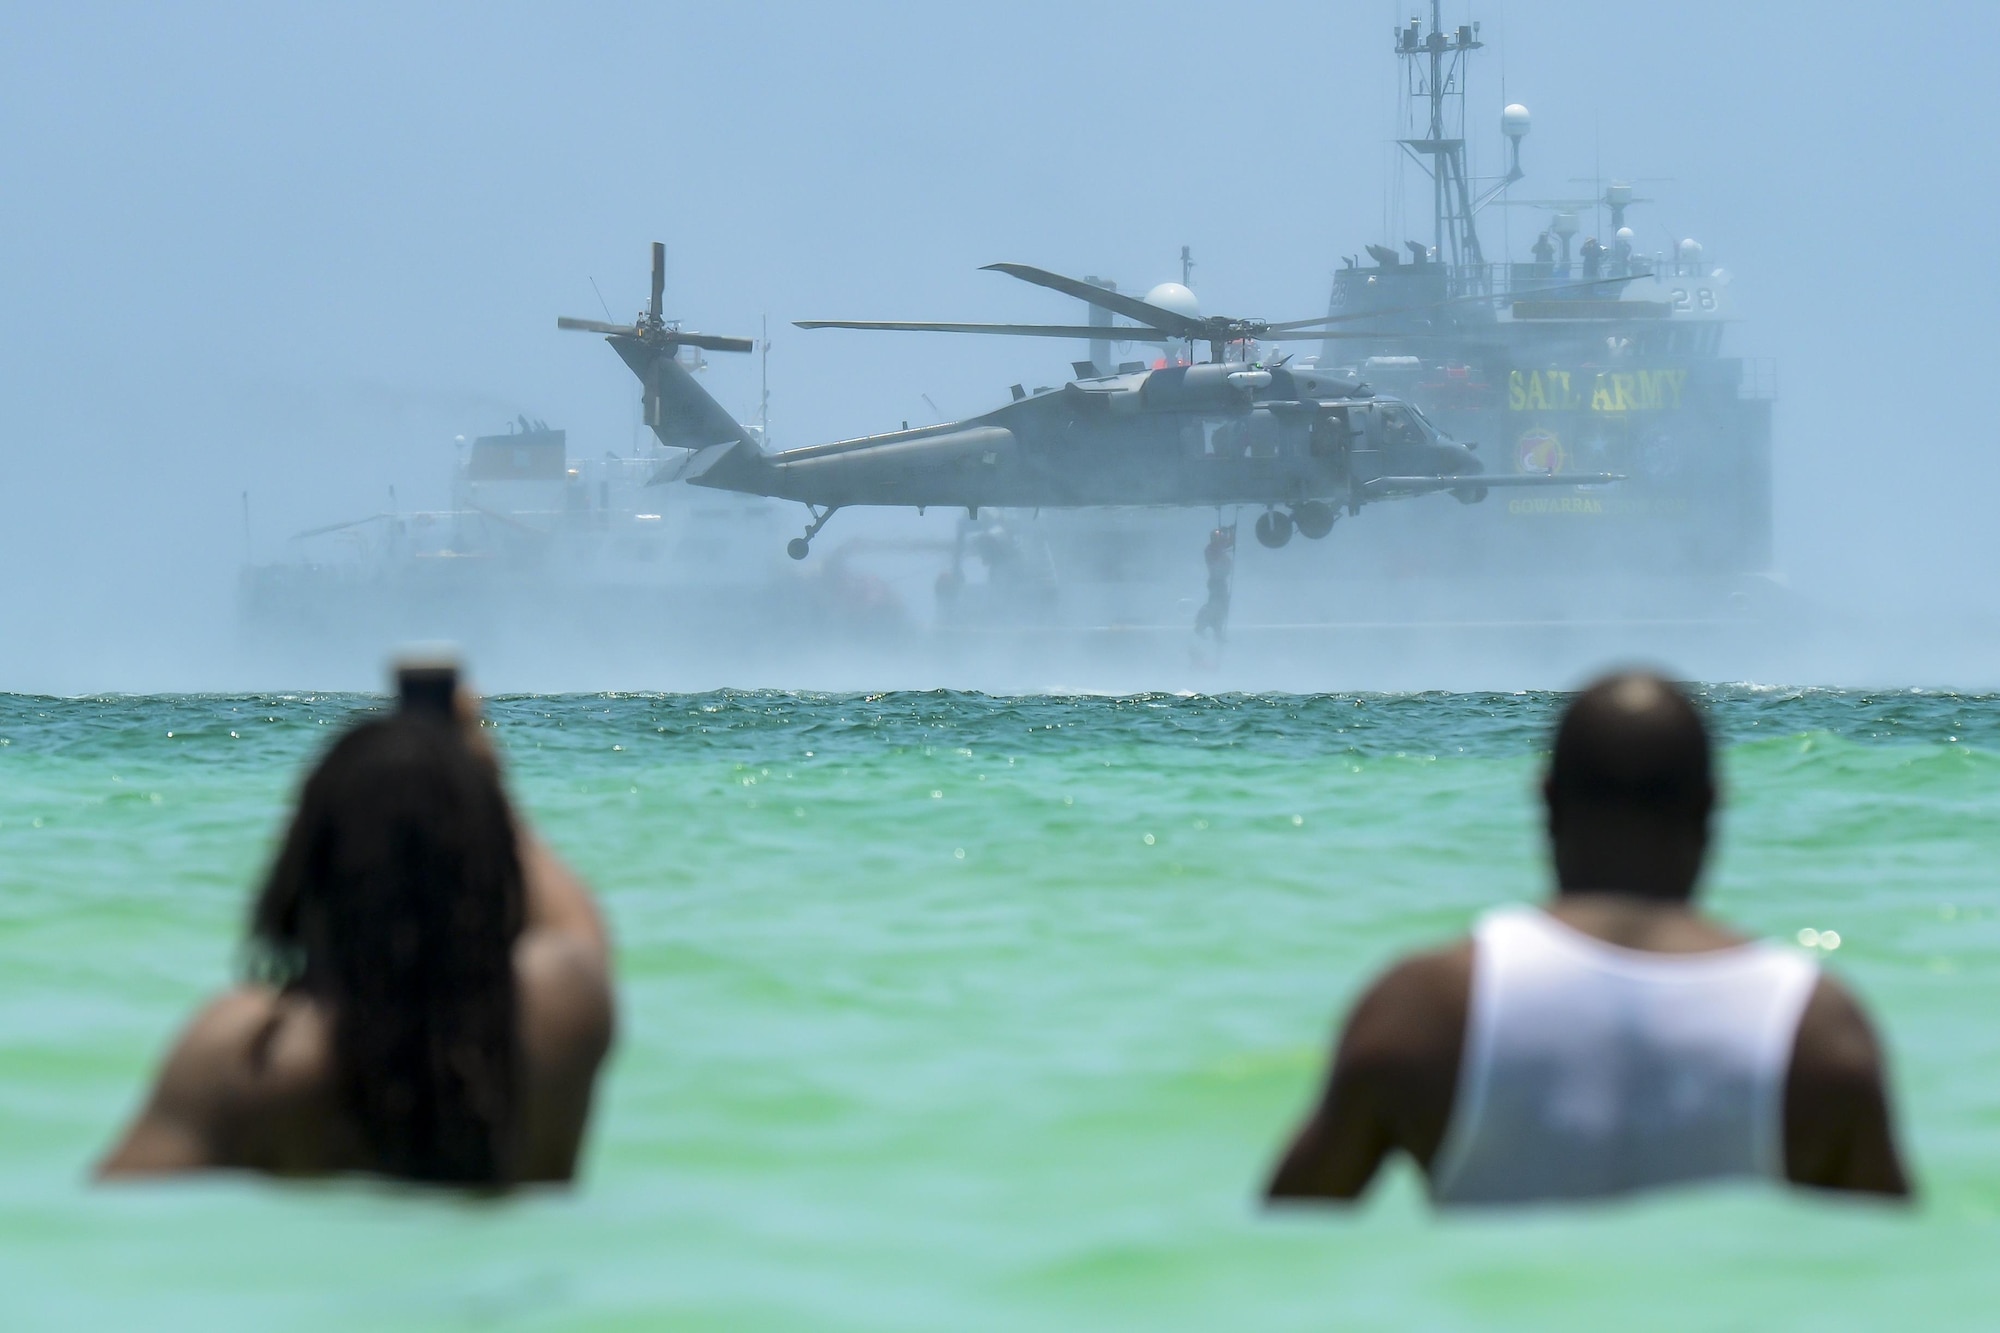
(295, 253)
(946, 1011)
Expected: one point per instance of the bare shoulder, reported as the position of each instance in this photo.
(1836, 1046)
(562, 964)
(244, 1052)
(567, 1022)
(567, 1015)
(1839, 1125)
(1414, 1009)
(230, 1044)
(1394, 1075)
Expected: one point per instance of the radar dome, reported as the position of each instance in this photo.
(1172, 296)
(1691, 250)
(1625, 235)
(1514, 121)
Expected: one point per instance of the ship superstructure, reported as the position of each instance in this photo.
(1585, 353)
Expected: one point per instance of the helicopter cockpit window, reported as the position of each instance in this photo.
(1397, 427)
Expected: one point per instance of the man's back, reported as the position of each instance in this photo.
(1403, 1074)
(1615, 1039)
(1590, 1068)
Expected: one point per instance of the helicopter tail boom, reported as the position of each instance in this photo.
(679, 411)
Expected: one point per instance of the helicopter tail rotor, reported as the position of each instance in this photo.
(659, 282)
(653, 328)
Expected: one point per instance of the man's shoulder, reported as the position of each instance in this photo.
(1427, 977)
(1838, 1125)
(1836, 1043)
(1401, 1049)
(1416, 1009)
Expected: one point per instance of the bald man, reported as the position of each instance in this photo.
(1613, 1039)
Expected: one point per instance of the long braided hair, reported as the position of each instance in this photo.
(396, 901)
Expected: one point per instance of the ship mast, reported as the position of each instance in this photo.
(1434, 84)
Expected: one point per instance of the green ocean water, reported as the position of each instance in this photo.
(954, 1012)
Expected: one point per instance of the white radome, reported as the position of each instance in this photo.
(1625, 235)
(1514, 121)
(1172, 296)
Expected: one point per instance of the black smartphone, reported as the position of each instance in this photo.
(427, 687)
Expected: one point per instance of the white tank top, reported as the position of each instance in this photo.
(1591, 1069)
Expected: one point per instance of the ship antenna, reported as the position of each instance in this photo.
(1506, 223)
(1436, 76)
(764, 386)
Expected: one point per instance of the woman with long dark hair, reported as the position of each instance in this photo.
(427, 993)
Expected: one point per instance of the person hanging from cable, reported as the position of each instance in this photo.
(1220, 555)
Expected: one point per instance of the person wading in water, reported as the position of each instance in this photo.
(1615, 1039)
(429, 996)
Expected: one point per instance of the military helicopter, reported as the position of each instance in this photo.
(1304, 444)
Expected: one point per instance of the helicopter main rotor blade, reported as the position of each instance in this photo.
(1117, 333)
(1440, 305)
(1094, 332)
(659, 281)
(1320, 335)
(598, 326)
(707, 341)
(710, 342)
(1170, 322)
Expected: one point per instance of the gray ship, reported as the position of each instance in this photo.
(553, 569)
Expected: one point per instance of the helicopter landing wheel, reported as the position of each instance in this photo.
(800, 547)
(1314, 518)
(1274, 528)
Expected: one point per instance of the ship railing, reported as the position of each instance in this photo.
(1355, 288)
(1568, 282)
(1516, 280)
